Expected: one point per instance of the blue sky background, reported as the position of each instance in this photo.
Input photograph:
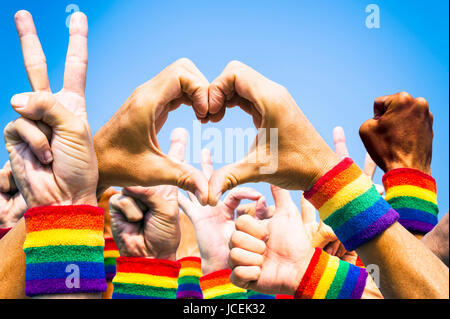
(321, 51)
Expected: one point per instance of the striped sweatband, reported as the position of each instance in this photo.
(349, 203)
(189, 278)
(145, 278)
(256, 295)
(110, 253)
(217, 285)
(64, 250)
(328, 277)
(412, 194)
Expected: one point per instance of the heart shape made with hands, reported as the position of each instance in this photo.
(127, 146)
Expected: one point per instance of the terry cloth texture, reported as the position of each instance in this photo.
(349, 203)
(64, 250)
(328, 277)
(110, 254)
(189, 278)
(217, 285)
(412, 194)
(145, 278)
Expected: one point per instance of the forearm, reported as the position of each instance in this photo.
(408, 269)
(12, 263)
(362, 220)
(437, 240)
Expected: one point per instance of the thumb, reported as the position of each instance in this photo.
(283, 200)
(229, 177)
(41, 106)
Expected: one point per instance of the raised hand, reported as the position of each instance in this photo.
(12, 204)
(53, 128)
(214, 224)
(401, 133)
(144, 220)
(127, 147)
(301, 155)
(271, 255)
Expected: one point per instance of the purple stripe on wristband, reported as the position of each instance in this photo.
(383, 223)
(59, 286)
(360, 284)
(416, 225)
(189, 295)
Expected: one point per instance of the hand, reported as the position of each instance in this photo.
(271, 256)
(302, 156)
(12, 204)
(214, 224)
(53, 128)
(103, 202)
(144, 220)
(127, 148)
(401, 133)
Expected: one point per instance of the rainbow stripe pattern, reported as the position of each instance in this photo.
(145, 278)
(349, 203)
(62, 241)
(256, 295)
(328, 277)
(110, 254)
(189, 278)
(412, 194)
(217, 285)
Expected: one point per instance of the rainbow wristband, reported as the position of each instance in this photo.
(349, 203)
(110, 254)
(64, 250)
(217, 285)
(412, 194)
(328, 277)
(256, 295)
(145, 278)
(189, 278)
(4, 231)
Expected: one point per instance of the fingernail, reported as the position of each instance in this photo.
(19, 100)
(48, 156)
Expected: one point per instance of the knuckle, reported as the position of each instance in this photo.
(404, 97)
(184, 63)
(235, 64)
(44, 99)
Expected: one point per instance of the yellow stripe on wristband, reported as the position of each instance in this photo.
(327, 278)
(352, 190)
(111, 254)
(148, 280)
(190, 271)
(222, 290)
(64, 237)
(411, 191)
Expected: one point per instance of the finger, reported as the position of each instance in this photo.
(42, 106)
(333, 247)
(369, 166)
(380, 105)
(178, 142)
(33, 55)
(245, 241)
(283, 200)
(127, 207)
(7, 183)
(229, 177)
(236, 195)
(77, 54)
(186, 205)
(242, 276)
(380, 189)
(206, 163)
(340, 148)
(252, 227)
(236, 78)
(241, 257)
(308, 210)
(29, 132)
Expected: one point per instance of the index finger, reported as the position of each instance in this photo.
(33, 55)
(369, 166)
(77, 54)
(340, 148)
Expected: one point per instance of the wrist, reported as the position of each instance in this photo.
(299, 273)
(408, 164)
(324, 162)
